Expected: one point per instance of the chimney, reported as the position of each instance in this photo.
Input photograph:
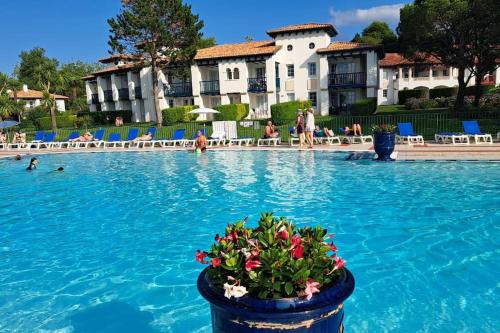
(25, 87)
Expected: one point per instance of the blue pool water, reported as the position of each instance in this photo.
(108, 245)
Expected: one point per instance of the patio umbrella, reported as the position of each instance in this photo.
(203, 111)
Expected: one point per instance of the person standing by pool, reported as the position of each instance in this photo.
(299, 125)
(310, 126)
(33, 164)
(200, 143)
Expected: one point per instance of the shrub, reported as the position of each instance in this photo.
(85, 121)
(178, 114)
(35, 114)
(366, 106)
(421, 103)
(403, 95)
(284, 113)
(235, 112)
(62, 121)
(471, 90)
(443, 92)
(107, 117)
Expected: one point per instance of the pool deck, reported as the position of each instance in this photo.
(427, 152)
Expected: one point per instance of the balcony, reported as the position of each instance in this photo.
(95, 99)
(123, 94)
(108, 95)
(257, 85)
(184, 89)
(347, 80)
(210, 87)
(138, 93)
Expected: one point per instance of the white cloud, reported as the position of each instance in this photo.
(386, 13)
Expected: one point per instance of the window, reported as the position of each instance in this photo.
(445, 72)
(384, 92)
(313, 97)
(406, 72)
(170, 103)
(289, 47)
(260, 72)
(291, 97)
(312, 46)
(186, 102)
(290, 70)
(236, 74)
(192, 101)
(386, 74)
(311, 68)
(229, 74)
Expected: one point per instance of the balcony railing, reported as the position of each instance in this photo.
(348, 80)
(210, 87)
(138, 93)
(108, 96)
(257, 85)
(95, 99)
(123, 94)
(183, 89)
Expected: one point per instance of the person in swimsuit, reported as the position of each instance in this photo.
(146, 137)
(33, 164)
(354, 131)
(299, 125)
(270, 132)
(87, 137)
(310, 126)
(200, 143)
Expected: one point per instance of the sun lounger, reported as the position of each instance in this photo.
(27, 145)
(69, 141)
(472, 130)
(247, 141)
(407, 135)
(269, 142)
(217, 138)
(331, 140)
(452, 137)
(293, 136)
(96, 142)
(47, 141)
(133, 133)
(351, 139)
(177, 138)
(143, 143)
(114, 141)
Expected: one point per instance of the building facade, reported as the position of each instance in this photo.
(33, 98)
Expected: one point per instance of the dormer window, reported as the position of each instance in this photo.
(289, 47)
(229, 74)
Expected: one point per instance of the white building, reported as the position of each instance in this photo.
(399, 73)
(33, 98)
(299, 62)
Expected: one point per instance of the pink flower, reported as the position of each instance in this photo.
(283, 234)
(296, 240)
(339, 263)
(298, 251)
(255, 253)
(200, 257)
(217, 237)
(216, 262)
(311, 288)
(251, 264)
(332, 247)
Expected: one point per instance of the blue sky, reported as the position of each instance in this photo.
(77, 30)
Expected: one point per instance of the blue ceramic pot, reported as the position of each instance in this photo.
(384, 145)
(322, 314)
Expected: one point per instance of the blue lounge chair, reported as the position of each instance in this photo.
(68, 142)
(151, 130)
(178, 138)
(47, 141)
(407, 135)
(472, 130)
(114, 140)
(133, 133)
(97, 141)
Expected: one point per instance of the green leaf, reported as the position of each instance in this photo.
(288, 288)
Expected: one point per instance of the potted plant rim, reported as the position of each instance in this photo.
(275, 277)
(384, 141)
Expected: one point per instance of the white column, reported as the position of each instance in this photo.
(224, 99)
(371, 70)
(88, 92)
(147, 94)
(131, 86)
(195, 80)
(271, 78)
(324, 102)
(100, 88)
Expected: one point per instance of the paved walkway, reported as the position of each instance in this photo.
(438, 152)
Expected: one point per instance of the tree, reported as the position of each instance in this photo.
(9, 105)
(379, 33)
(443, 28)
(248, 39)
(72, 85)
(206, 42)
(157, 32)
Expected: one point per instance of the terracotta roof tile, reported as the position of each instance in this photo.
(114, 69)
(237, 50)
(346, 46)
(398, 59)
(33, 94)
(304, 27)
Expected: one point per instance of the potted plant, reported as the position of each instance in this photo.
(385, 140)
(274, 278)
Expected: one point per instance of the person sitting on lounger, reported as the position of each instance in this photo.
(146, 137)
(270, 132)
(3, 139)
(87, 137)
(200, 143)
(328, 132)
(354, 131)
(19, 137)
(33, 164)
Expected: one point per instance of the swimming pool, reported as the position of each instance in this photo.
(110, 242)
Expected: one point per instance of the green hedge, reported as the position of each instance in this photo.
(403, 95)
(443, 92)
(178, 114)
(107, 117)
(363, 107)
(45, 123)
(235, 112)
(471, 90)
(284, 113)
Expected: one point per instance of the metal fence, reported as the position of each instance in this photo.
(424, 124)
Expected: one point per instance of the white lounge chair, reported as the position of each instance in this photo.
(268, 142)
(217, 138)
(451, 137)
